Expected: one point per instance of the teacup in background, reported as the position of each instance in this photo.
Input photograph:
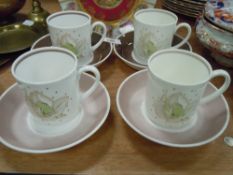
(49, 77)
(72, 30)
(154, 30)
(176, 82)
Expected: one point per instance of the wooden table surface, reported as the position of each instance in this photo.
(115, 148)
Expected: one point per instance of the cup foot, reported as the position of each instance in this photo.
(50, 129)
(170, 127)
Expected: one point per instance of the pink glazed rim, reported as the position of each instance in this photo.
(208, 127)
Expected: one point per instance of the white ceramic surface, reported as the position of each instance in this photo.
(72, 30)
(175, 90)
(154, 30)
(49, 78)
(101, 54)
(16, 134)
(124, 50)
(217, 40)
(213, 117)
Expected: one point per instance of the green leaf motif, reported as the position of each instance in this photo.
(45, 109)
(149, 48)
(177, 110)
(147, 42)
(175, 105)
(45, 106)
(71, 47)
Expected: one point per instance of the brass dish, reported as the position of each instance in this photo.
(16, 37)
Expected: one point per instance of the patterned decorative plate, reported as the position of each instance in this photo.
(111, 11)
(114, 13)
(108, 10)
(218, 41)
(220, 12)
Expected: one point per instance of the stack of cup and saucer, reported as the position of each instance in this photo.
(170, 104)
(153, 30)
(57, 105)
(214, 30)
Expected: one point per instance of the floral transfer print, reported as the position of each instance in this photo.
(46, 107)
(175, 106)
(77, 47)
(147, 45)
(220, 12)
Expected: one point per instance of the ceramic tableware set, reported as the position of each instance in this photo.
(214, 30)
(57, 105)
(190, 8)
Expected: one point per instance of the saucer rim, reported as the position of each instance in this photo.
(95, 64)
(137, 65)
(72, 144)
(134, 57)
(158, 141)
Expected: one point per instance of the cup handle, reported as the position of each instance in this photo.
(98, 23)
(95, 71)
(222, 89)
(189, 31)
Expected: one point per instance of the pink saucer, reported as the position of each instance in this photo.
(213, 117)
(16, 134)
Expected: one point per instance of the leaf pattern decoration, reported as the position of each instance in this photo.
(46, 107)
(147, 44)
(75, 46)
(175, 105)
